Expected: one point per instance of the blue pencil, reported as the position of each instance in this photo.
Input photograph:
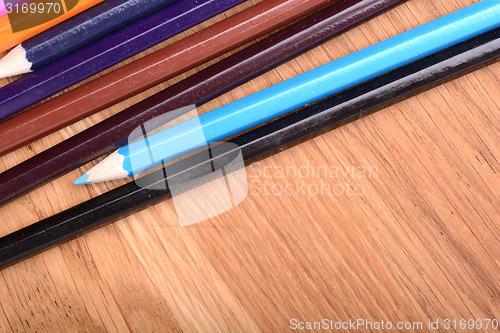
(75, 33)
(107, 52)
(297, 92)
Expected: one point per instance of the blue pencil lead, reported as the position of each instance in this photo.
(82, 180)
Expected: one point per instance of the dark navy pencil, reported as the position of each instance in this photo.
(197, 89)
(108, 51)
(73, 34)
(267, 139)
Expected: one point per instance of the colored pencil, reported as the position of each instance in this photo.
(296, 92)
(75, 33)
(9, 39)
(196, 89)
(266, 140)
(106, 52)
(156, 67)
(135, 38)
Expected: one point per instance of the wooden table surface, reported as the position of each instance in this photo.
(409, 231)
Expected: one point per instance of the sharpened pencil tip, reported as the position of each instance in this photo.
(82, 180)
(14, 63)
(110, 168)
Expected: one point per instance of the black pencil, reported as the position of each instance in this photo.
(381, 91)
(197, 89)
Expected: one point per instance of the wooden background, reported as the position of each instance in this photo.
(410, 234)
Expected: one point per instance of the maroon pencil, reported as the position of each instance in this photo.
(197, 89)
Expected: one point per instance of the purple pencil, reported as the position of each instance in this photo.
(78, 31)
(197, 89)
(107, 52)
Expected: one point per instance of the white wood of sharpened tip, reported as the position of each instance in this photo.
(14, 63)
(108, 169)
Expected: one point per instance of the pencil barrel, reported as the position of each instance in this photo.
(197, 89)
(384, 90)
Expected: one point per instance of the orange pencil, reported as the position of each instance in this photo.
(69, 8)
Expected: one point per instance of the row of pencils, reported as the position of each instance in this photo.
(105, 33)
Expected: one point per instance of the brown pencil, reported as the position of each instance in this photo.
(151, 70)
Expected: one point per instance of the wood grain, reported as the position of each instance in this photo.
(408, 232)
